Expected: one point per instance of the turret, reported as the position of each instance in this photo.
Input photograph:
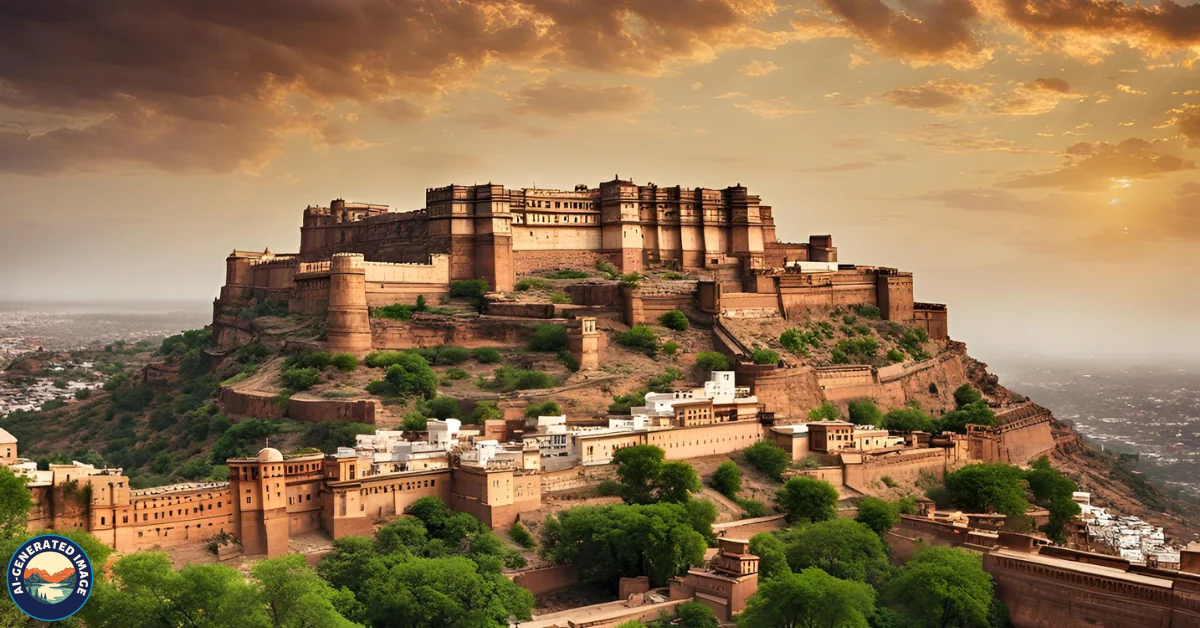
(348, 323)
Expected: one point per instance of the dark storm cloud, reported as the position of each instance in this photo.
(211, 85)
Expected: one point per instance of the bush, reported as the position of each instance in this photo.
(508, 379)
(622, 403)
(409, 375)
(83, 394)
(452, 355)
(520, 534)
(895, 355)
(670, 348)
(416, 422)
(344, 362)
(663, 383)
(763, 355)
(485, 411)
(524, 285)
(473, 289)
(860, 348)
(674, 320)
(440, 407)
(545, 408)
(608, 488)
(671, 275)
(865, 412)
(383, 359)
(908, 420)
(824, 412)
(867, 311)
(640, 337)
(712, 361)
(548, 337)
(457, 373)
(299, 379)
(567, 359)
(559, 298)
(753, 508)
(319, 360)
(965, 395)
(630, 278)
(808, 499)
(569, 273)
(330, 435)
(727, 479)
(768, 458)
(485, 355)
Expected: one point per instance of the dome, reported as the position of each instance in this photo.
(269, 454)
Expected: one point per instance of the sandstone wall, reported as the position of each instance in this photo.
(322, 410)
(433, 331)
(250, 404)
(575, 478)
(533, 261)
(547, 580)
(903, 466)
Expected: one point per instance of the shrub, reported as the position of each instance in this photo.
(559, 298)
(768, 458)
(862, 348)
(605, 267)
(452, 355)
(867, 311)
(671, 275)
(727, 479)
(569, 273)
(194, 469)
(397, 311)
(908, 420)
(753, 508)
(622, 403)
(457, 373)
(674, 320)
(824, 412)
(640, 337)
(568, 360)
(416, 422)
(299, 379)
(912, 340)
(410, 375)
(865, 412)
(712, 361)
(440, 407)
(319, 360)
(548, 337)
(486, 355)
(608, 488)
(545, 408)
(485, 411)
(344, 362)
(473, 289)
(83, 394)
(889, 482)
(670, 348)
(808, 499)
(630, 278)
(965, 395)
(662, 383)
(383, 359)
(508, 379)
(520, 534)
(532, 284)
(763, 355)
(895, 355)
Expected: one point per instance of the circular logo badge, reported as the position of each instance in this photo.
(50, 577)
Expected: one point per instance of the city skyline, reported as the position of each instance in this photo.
(1033, 163)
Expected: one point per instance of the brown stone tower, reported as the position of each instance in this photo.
(585, 343)
(348, 322)
(257, 486)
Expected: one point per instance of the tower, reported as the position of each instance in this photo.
(585, 343)
(260, 513)
(621, 230)
(348, 322)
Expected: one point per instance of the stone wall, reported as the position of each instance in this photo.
(322, 410)
(428, 330)
(575, 477)
(249, 404)
(547, 580)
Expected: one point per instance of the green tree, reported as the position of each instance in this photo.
(548, 337)
(243, 440)
(674, 320)
(989, 487)
(638, 468)
(727, 479)
(485, 411)
(545, 408)
(439, 407)
(841, 547)
(521, 535)
(824, 412)
(146, 592)
(808, 499)
(676, 482)
(769, 458)
(695, 615)
(966, 395)
(300, 379)
(762, 355)
(485, 355)
(437, 592)
(472, 289)
(975, 413)
(641, 338)
(295, 596)
(345, 362)
(15, 502)
(416, 422)
(877, 514)
(412, 375)
(809, 599)
(1053, 491)
(908, 420)
(712, 361)
(942, 587)
(864, 412)
(330, 435)
(771, 553)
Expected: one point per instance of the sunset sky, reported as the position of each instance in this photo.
(1033, 162)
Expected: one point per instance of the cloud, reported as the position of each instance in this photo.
(759, 68)
(1052, 84)
(1163, 26)
(215, 85)
(851, 166)
(856, 61)
(1188, 119)
(554, 99)
(940, 95)
(772, 108)
(925, 32)
(949, 138)
(1092, 166)
(993, 200)
(1129, 90)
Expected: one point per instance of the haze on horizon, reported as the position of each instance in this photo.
(1033, 163)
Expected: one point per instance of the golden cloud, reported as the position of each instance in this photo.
(945, 94)
(1091, 166)
(554, 99)
(759, 68)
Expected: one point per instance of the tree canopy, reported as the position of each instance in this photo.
(944, 587)
(645, 478)
(727, 479)
(877, 514)
(809, 599)
(808, 499)
(843, 548)
(15, 502)
(989, 487)
(768, 457)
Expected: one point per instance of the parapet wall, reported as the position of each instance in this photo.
(434, 330)
(263, 405)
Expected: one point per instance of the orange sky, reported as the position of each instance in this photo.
(1033, 162)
